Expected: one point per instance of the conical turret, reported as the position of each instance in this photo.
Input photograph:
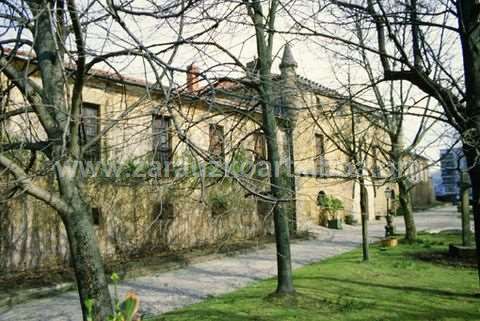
(287, 58)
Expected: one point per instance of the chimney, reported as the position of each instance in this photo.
(193, 78)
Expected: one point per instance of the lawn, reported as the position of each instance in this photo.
(394, 285)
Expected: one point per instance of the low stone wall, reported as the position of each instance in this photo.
(423, 195)
(130, 220)
(135, 220)
(31, 236)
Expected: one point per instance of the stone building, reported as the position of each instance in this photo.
(182, 132)
(423, 193)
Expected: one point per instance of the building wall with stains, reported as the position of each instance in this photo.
(135, 213)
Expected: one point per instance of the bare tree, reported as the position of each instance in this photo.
(395, 103)
(424, 39)
(209, 19)
(56, 50)
(348, 127)
(263, 19)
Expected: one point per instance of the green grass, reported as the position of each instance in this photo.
(394, 285)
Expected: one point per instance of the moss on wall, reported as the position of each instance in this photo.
(133, 220)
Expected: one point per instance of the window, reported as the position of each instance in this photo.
(162, 141)
(321, 199)
(96, 216)
(260, 148)
(219, 206)
(450, 189)
(414, 171)
(320, 145)
(89, 130)
(280, 109)
(163, 211)
(216, 147)
(449, 180)
(321, 165)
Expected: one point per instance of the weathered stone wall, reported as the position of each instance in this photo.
(31, 236)
(423, 194)
(136, 219)
(133, 220)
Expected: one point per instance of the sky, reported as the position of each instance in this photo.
(316, 57)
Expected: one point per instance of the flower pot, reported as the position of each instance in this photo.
(350, 220)
(390, 242)
(335, 224)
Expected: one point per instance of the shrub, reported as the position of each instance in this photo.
(331, 205)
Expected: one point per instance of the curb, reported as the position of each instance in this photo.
(20, 296)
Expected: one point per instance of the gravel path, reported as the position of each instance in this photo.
(167, 291)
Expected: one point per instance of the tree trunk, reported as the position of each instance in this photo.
(282, 237)
(364, 215)
(284, 267)
(269, 124)
(474, 172)
(468, 12)
(86, 258)
(404, 189)
(465, 208)
(406, 209)
(365, 236)
(292, 183)
(88, 265)
(55, 115)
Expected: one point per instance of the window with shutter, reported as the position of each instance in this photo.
(321, 164)
(162, 142)
(89, 130)
(259, 148)
(216, 147)
(96, 216)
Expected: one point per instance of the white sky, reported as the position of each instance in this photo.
(314, 62)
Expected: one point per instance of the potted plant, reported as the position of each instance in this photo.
(332, 206)
(350, 219)
(389, 241)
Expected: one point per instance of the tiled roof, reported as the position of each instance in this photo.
(225, 85)
(318, 88)
(95, 72)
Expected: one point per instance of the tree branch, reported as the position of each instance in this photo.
(23, 181)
